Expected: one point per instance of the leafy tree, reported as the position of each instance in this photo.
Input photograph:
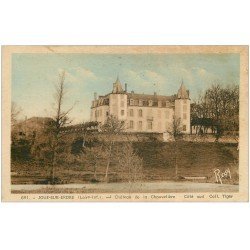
(217, 108)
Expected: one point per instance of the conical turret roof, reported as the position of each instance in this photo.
(117, 87)
(182, 92)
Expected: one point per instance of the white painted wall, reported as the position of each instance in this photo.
(182, 111)
(161, 118)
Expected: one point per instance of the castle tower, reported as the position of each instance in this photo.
(118, 101)
(182, 108)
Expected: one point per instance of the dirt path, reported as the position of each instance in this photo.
(149, 187)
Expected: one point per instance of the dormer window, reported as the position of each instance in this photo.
(140, 102)
(159, 104)
(131, 102)
(150, 103)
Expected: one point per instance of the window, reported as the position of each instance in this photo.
(150, 103)
(140, 112)
(140, 125)
(107, 113)
(184, 116)
(155, 104)
(150, 125)
(122, 112)
(131, 102)
(140, 102)
(131, 124)
(159, 104)
(184, 127)
(131, 112)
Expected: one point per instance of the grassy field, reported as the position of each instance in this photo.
(193, 159)
(159, 163)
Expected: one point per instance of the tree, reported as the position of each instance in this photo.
(111, 128)
(217, 108)
(49, 144)
(95, 153)
(130, 165)
(15, 112)
(60, 120)
(176, 132)
(175, 128)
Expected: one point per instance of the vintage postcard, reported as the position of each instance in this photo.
(125, 123)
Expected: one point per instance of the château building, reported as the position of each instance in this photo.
(143, 112)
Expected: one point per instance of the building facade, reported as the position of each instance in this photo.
(142, 112)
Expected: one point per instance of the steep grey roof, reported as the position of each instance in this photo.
(147, 97)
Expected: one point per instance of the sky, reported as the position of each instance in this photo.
(34, 77)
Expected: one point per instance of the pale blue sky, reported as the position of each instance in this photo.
(34, 76)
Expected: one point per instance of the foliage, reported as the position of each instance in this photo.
(49, 144)
(15, 112)
(130, 164)
(218, 109)
(111, 128)
(96, 155)
(175, 128)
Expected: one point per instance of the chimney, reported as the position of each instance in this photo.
(126, 86)
(95, 95)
